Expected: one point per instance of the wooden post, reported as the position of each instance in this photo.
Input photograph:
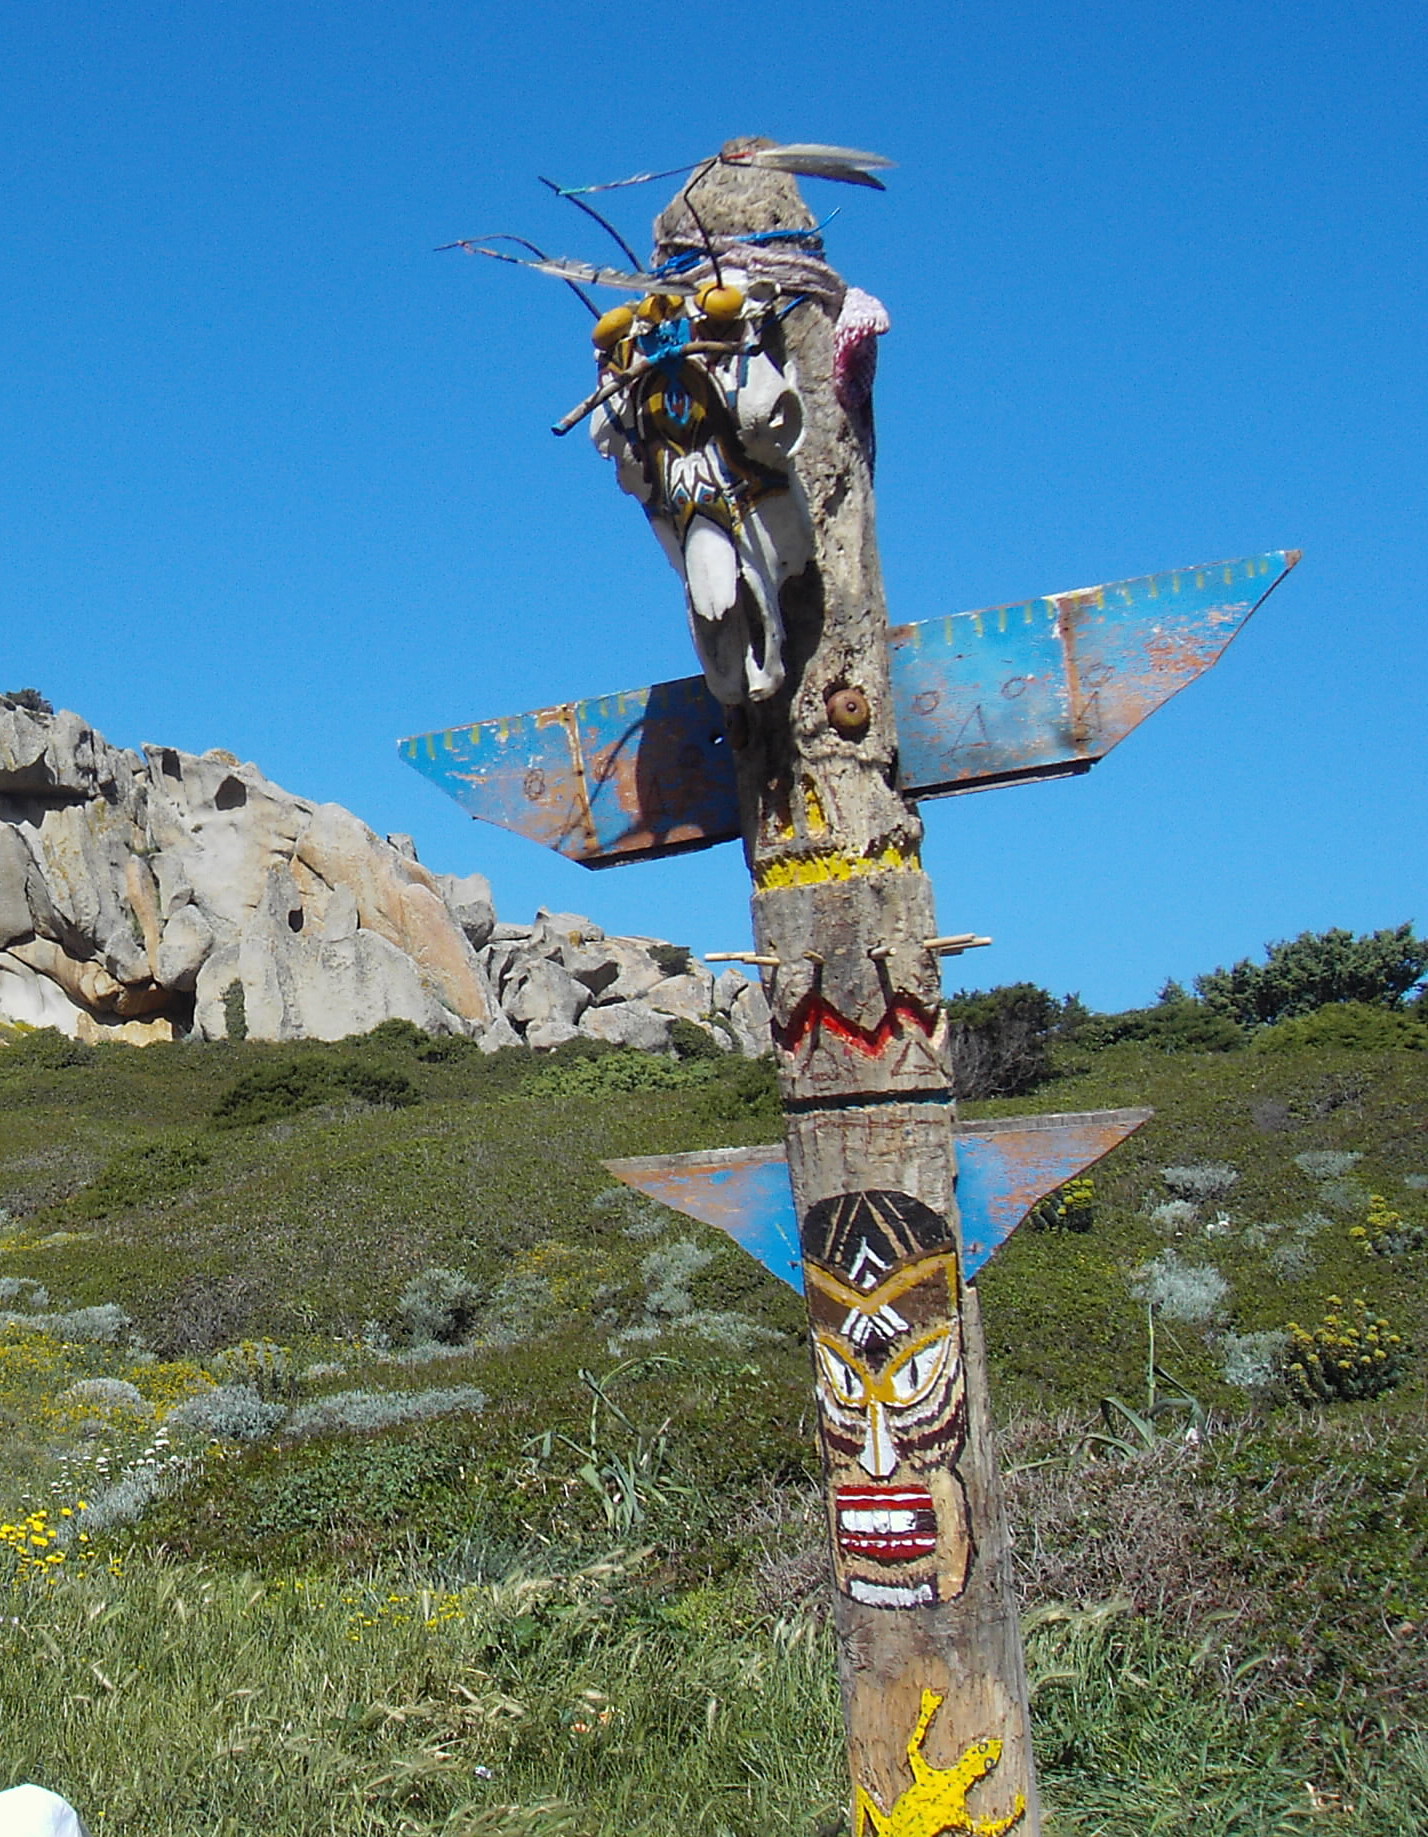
(933, 1686)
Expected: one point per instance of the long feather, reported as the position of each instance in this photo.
(564, 268)
(811, 160)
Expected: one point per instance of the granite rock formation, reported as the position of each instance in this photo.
(158, 894)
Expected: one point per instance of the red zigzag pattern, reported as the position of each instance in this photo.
(815, 1013)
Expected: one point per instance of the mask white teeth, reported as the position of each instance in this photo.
(885, 1523)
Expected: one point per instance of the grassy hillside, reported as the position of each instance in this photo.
(373, 1547)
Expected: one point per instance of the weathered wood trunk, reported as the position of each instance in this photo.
(932, 1675)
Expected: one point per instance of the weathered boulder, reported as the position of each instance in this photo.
(627, 1023)
(690, 996)
(539, 991)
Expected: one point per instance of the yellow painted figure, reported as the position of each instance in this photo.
(935, 1805)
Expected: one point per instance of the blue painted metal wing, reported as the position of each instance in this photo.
(1046, 688)
(1004, 1167)
(1007, 695)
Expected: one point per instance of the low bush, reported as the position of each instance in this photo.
(1327, 1163)
(441, 1307)
(302, 1083)
(1346, 1027)
(43, 1049)
(1173, 1026)
(1387, 1232)
(623, 1069)
(137, 1177)
(260, 1363)
(104, 1325)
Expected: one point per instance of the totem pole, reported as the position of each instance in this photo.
(735, 400)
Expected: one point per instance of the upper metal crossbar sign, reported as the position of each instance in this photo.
(1008, 695)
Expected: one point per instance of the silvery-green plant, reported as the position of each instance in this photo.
(262, 1363)
(668, 1272)
(361, 1412)
(1346, 1195)
(229, 1412)
(1252, 1361)
(1200, 1181)
(443, 1305)
(23, 1291)
(1175, 1290)
(1416, 1183)
(104, 1325)
(1327, 1163)
(106, 1394)
(1173, 1216)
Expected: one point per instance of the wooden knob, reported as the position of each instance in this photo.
(849, 712)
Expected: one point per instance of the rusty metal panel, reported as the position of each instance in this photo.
(1004, 1168)
(1011, 694)
(623, 777)
(1046, 688)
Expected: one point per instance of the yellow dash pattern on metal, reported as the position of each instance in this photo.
(935, 1805)
(832, 864)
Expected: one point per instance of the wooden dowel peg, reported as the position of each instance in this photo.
(954, 946)
(741, 956)
(881, 952)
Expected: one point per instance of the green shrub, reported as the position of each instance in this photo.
(1345, 1357)
(1346, 1027)
(43, 1048)
(1000, 1039)
(1316, 969)
(293, 1085)
(235, 1013)
(690, 1041)
(623, 1069)
(261, 1363)
(1175, 1026)
(140, 1175)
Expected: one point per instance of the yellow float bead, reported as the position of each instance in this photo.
(717, 302)
(612, 326)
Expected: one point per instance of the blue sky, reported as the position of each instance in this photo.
(275, 477)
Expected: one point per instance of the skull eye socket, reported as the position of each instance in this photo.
(921, 1367)
(847, 1384)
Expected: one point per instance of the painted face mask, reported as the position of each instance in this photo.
(885, 1312)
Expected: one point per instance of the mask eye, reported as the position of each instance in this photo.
(847, 1385)
(917, 1371)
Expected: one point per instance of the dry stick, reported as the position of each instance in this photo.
(695, 348)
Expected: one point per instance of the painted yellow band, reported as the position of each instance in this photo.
(831, 864)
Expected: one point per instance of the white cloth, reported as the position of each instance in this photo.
(30, 1811)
